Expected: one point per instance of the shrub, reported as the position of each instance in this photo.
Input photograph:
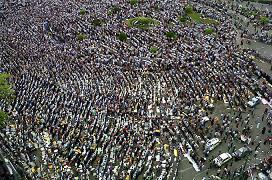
(188, 10)
(157, 8)
(82, 11)
(183, 19)
(264, 20)
(153, 50)
(3, 118)
(81, 36)
(171, 35)
(208, 31)
(122, 36)
(97, 22)
(115, 9)
(6, 91)
(6, 94)
(133, 2)
(209, 21)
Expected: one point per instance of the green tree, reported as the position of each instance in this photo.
(122, 36)
(208, 31)
(3, 118)
(81, 36)
(153, 49)
(6, 94)
(114, 9)
(188, 10)
(183, 19)
(82, 11)
(171, 35)
(133, 2)
(97, 22)
(264, 20)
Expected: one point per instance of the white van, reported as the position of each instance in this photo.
(212, 144)
(222, 159)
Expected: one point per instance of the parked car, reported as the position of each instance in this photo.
(222, 159)
(242, 152)
(211, 144)
(254, 101)
(262, 176)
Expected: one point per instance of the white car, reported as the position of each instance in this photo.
(212, 144)
(254, 101)
(222, 159)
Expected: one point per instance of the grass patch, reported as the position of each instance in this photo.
(7, 94)
(208, 31)
(264, 20)
(171, 35)
(6, 91)
(3, 118)
(183, 19)
(114, 10)
(209, 21)
(188, 9)
(82, 11)
(122, 36)
(133, 2)
(153, 50)
(142, 22)
(81, 36)
(97, 22)
(196, 17)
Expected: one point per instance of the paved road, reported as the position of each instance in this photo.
(186, 171)
(264, 49)
(259, 6)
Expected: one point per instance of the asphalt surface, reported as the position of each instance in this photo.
(186, 170)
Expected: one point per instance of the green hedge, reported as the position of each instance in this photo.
(264, 20)
(6, 94)
(6, 91)
(188, 10)
(97, 22)
(115, 9)
(171, 35)
(122, 36)
(183, 18)
(208, 31)
(82, 11)
(153, 50)
(133, 2)
(81, 36)
(3, 118)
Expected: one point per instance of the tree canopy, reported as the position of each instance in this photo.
(122, 36)
(6, 94)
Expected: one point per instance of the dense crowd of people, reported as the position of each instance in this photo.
(258, 31)
(109, 109)
(255, 15)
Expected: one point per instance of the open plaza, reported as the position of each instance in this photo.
(135, 89)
